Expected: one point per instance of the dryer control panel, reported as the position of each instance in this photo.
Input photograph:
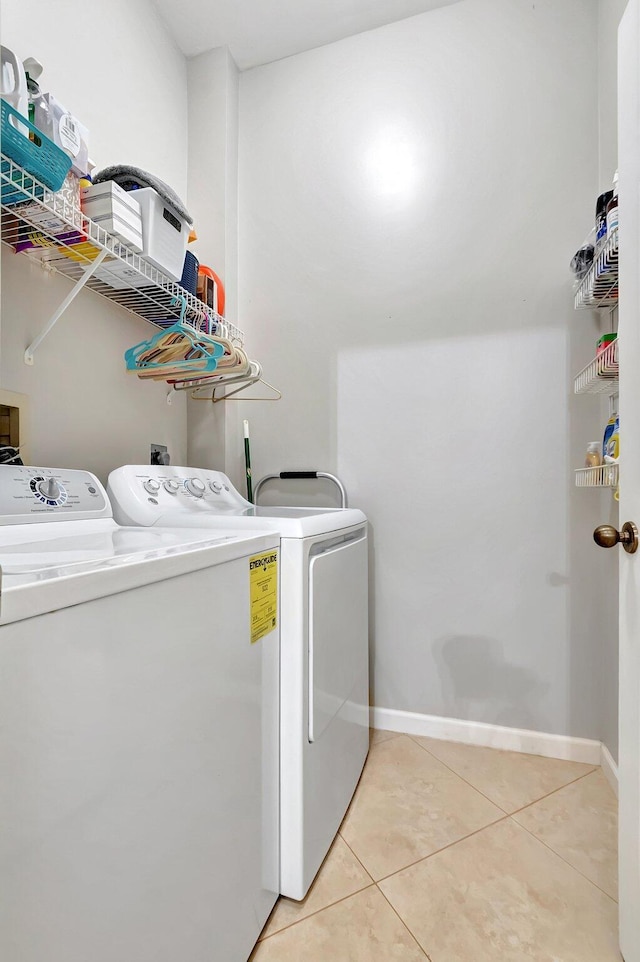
(182, 497)
(150, 494)
(49, 494)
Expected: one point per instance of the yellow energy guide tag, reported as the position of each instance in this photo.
(263, 578)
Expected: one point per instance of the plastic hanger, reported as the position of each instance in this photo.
(175, 350)
(252, 374)
(231, 368)
(246, 380)
(259, 380)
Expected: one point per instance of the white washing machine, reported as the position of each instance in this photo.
(138, 731)
(324, 694)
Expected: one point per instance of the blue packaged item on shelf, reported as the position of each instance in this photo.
(189, 279)
(601, 215)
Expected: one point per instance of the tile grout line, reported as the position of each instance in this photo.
(291, 925)
(361, 864)
(372, 883)
(506, 815)
(549, 794)
(402, 921)
(515, 811)
(502, 818)
(444, 848)
(383, 740)
(563, 859)
(454, 772)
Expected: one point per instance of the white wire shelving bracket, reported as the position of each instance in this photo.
(55, 317)
(599, 286)
(52, 232)
(600, 376)
(603, 476)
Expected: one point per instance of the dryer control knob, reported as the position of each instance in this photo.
(172, 486)
(151, 486)
(195, 487)
(215, 486)
(50, 489)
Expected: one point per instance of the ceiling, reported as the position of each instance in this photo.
(259, 31)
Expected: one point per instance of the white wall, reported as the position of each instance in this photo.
(213, 199)
(409, 201)
(122, 75)
(609, 16)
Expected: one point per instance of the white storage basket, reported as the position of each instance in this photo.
(164, 233)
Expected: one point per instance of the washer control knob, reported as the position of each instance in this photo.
(50, 489)
(172, 486)
(215, 486)
(151, 486)
(195, 487)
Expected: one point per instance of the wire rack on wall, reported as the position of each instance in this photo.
(51, 230)
(599, 286)
(603, 476)
(600, 376)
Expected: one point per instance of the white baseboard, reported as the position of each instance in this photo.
(609, 768)
(489, 736)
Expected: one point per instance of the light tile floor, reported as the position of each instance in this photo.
(454, 853)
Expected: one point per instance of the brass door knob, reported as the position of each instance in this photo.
(606, 536)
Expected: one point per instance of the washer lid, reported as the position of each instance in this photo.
(302, 522)
(57, 571)
(66, 555)
(285, 512)
(287, 522)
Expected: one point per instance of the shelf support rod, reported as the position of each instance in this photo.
(73, 293)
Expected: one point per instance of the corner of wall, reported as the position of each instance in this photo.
(609, 16)
(212, 79)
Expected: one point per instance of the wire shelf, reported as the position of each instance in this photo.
(600, 376)
(52, 231)
(603, 476)
(599, 286)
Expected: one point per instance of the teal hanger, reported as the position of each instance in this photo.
(200, 352)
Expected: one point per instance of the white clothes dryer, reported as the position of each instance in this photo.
(324, 654)
(139, 732)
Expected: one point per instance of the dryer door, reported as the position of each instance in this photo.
(338, 634)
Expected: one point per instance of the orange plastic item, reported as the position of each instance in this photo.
(208, 272)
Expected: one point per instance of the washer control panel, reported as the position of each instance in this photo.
(44, 494)
(48, 491)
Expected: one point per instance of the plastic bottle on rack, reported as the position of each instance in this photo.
(608, 431)
(33, 70)
(13, 83)
(612, 452)
(601, 217)
(612, 206)
(593, 457)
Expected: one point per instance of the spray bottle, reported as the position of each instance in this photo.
(33, 69)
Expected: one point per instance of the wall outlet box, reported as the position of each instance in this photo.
(159, 454)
